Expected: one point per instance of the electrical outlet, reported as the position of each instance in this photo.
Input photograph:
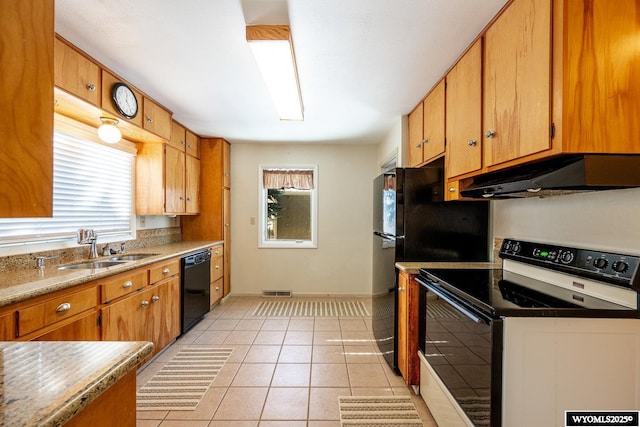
(142, 220)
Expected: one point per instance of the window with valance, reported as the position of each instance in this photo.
(288, 203)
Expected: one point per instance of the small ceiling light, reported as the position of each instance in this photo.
(273, 49)
(108, 130)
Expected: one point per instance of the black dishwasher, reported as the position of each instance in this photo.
(195, 288)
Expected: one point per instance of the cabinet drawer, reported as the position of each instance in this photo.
(217, 267)
(48, 312)
(124, 284)
(217, 291)
(163, 270)
(216, 251)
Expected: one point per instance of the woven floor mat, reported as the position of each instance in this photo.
(311, 309)
(182, 382)
(370, 411)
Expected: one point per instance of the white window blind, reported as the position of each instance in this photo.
(92, 188)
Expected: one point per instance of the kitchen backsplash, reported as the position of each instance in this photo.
(145, 238)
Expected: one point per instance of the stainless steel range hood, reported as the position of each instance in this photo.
(561, 175)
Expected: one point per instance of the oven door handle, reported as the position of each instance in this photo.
(455, 304)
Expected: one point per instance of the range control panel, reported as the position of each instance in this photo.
(604, 266)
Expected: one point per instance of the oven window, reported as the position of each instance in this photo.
(459, 350)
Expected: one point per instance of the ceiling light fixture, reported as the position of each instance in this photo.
(273, 49)
(108, 130)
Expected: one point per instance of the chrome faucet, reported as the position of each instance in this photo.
(86, 236)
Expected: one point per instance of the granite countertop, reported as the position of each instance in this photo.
(19, 285)
(414, 267)
(39, 389)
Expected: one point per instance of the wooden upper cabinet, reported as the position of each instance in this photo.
(76, 73)
(178, 137)
(517, 84)
(156, 119)
(426, 128)
(167, 181)
(599, 45)
(174, 180)
(193, 144)
(433, 123)
(226, 165)
(192, 185)
(26, 129)
(464, 114)
(108, 80)
(416, 120)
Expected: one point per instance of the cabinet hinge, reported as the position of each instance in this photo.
(99, 321)
(552, 131)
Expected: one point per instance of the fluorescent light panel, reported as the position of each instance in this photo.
(272, 48)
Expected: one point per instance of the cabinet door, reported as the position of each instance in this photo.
(164, 313)
(517, 69)
(226, 164)
(178, 136)
(464, 113)
(433, 124)
(26, 79)
(156, 119)
(127, 319)
(416, 120)
(174, 180)
(401, 339)
(76, 73)
(8, 326)
(193, 144)
(192, 184)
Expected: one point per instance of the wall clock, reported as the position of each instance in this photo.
(124, 100)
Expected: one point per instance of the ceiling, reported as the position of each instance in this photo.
(361, 63)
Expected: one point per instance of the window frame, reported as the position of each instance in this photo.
(263, 242)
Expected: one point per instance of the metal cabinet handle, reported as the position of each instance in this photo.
(418, 146)
(91, 87)
(166, 270)
(127, 284)
(452, 189)
(217, 267)
(65, 306)
(400, 289)
(490, 133)
(472, 143)
(217, 288)
(181, 142)
(155, 298)
(149, 119)
(425, 141)
(144, 303)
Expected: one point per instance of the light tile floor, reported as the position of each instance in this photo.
(283, 372)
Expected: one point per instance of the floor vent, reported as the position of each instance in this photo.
(276, 293)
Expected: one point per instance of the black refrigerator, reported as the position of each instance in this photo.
(412, 222)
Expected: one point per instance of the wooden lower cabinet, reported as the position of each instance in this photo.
(217, 274)
(151, 314)
(407, 336)
(117, 405)
(165, 312)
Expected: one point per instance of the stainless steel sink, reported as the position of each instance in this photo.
(90, 265)
(130, 257)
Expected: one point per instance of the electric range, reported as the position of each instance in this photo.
(464, 312)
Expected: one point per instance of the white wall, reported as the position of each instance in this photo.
(606, 220)
(342, 262)
(391, 145)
